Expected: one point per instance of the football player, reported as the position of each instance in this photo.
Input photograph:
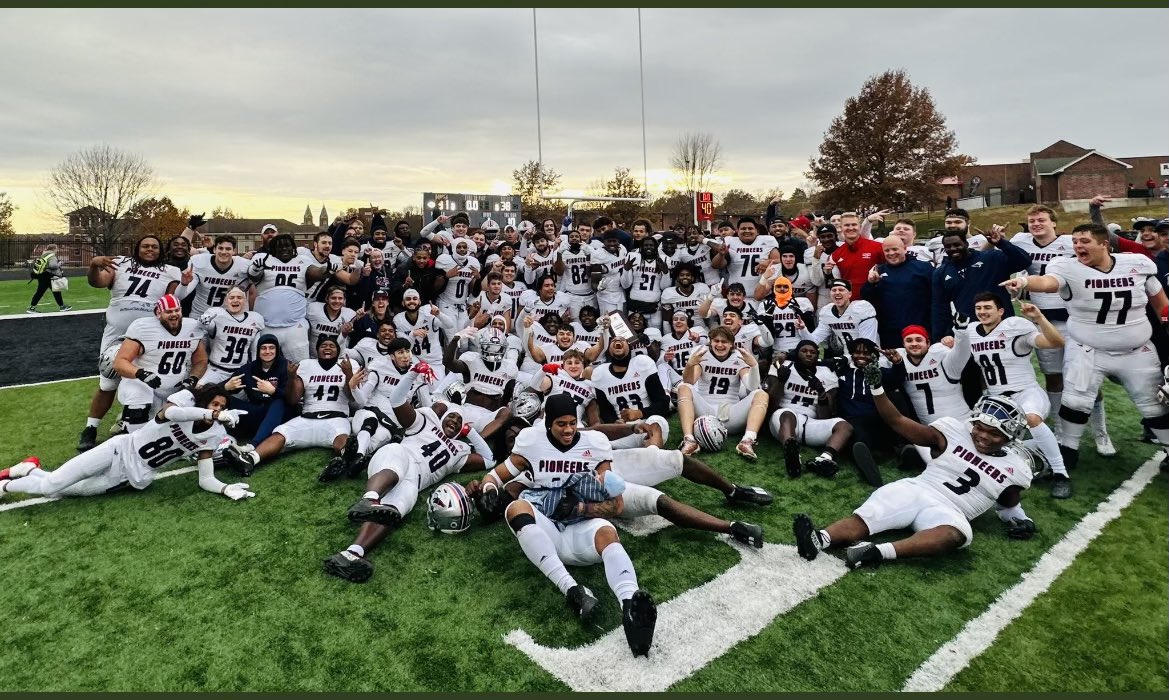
(609, 260)
(1001, 348)
(460, 278)
(420, 325)
(214, 274)
(231, 332)
(677, 345)
(429, 452)
(552, 353)
(330, 317)
(136, 283)
(933, 374)
(802, 393)
(187, 424)
(281, 276)
(722, 381)
(628, 387)
(574, 268)
(1106, 295)
(686, 295)
(748, 254)
(844, 318)
(644, 276)
(780, 312)
(971, 470)
(490, 379)
(550, 454)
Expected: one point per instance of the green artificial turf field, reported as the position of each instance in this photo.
(178, 589)
(16, 294)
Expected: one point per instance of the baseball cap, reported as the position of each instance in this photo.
(1163, 225)
(383, 294)
(1114, 228)
(801, 222)
(823, 229)
(1141, 222)
(268, 227)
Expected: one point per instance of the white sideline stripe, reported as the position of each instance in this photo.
(53, 381)
(642, 526)
(980, 633)
(695, 628)
(38, 501)
(52, 314)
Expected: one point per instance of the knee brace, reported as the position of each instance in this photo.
(1072, 415)
(135, 415)
(369, 425)
(521, 521)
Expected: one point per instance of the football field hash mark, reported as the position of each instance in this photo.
(694, 628)
(978, 634)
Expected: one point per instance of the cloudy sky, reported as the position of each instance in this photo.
(267, 110)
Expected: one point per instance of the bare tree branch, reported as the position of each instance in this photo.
(103, 178)
(696, 157)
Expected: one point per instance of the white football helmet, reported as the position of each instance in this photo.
(449, 509)
(710, 433)
(526, 407)
(105, 362)
(1000, 413)
(455, 394)
(1163, 392)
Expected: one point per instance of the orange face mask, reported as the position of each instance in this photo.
(783, 291)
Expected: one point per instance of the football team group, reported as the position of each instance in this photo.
(549, 358)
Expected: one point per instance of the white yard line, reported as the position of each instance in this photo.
(980, 633)
(54, 381)
(37, 501)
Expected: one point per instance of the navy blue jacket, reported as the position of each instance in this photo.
(853, 396)
(983, 271)
(902, 298)
(277, 373)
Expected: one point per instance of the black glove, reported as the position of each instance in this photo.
(151, 379)
(566, 508)
(188, 383)
(196, 221)
(873, 375)
(1021, 529)
(491, 503)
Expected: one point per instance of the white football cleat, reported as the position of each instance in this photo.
(1104, 446)
(20, 469)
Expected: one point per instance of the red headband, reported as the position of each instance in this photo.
(168, 302)
(915, 330)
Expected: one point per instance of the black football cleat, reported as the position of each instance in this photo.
(241, 462)
(333, 470)
(863, 554)
(582, 602)
(910, 460)
(357, 467)
(866, 465)
(639, 615)
(349, 453)
(1061, 486)
(88, 439)
(752, 495)
(748, 533)
(349, 566)
(791, 457)
(822, 466)
(808, 540)
(370, 511)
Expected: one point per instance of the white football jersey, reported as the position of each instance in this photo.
(720, 382)
(485, 380)
(689, 303)
(540, 337)
(745, 338)
(934, 387)
(682, 347)
(551, 464)
(139, 288)
(320, 324)
(581, 390)
(577, 278)
(382, 370)
(211, 284)
(590, 337)
(847, 325)
(1106, 310)
(281, 289)
(611, 267)
(513, 295)
(534, 306)
(333, 261)
(801, 280)
(744, 258)
(427, 348)
(500, 306)
(232, 337)
(165, 354)
(1004, 354)
(644, 282)
(627, 391)
(970, 480)
(554, 353)
(324, 389)
(438, 455)
(1041, 257)
(155, 445)
(783, 321)
(702, 256)
(799, 396)
(457, 291)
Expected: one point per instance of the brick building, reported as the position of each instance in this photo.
(1061, 172)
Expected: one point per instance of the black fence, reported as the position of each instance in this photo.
(17, 252)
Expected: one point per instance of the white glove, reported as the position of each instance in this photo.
(230, 417)
(208, 318)
(238, 492)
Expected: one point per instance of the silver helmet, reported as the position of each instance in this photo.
(526, 407)
(1002, 414)
(456, 393)
(449, 509)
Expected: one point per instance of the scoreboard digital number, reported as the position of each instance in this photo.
(704, 206)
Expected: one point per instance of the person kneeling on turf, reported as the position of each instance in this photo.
(970, 470)
(187, 424)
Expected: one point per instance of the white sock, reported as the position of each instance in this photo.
(93, 422)
(1097, 418)
(356, 549)
(371, 495)
(887, 551)
(750, 435)
(1049, 446)
(540, 551)
(825, 540)
(30, 484)
(619, 571)
(362, 441)
(824, 455)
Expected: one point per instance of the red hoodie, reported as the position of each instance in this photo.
(853, 262)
